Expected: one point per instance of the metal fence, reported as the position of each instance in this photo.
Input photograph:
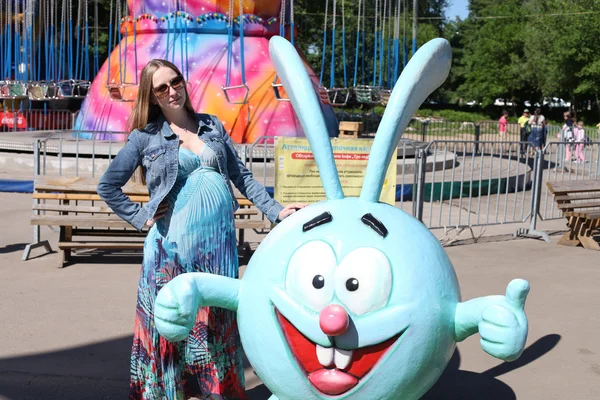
(76, 153)
(36, 120)
(427, 130)
(422, 129)
(508, 184)
(474, 188)
(443, 183)
(467, 183)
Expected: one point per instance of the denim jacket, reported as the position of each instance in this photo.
(156, 149)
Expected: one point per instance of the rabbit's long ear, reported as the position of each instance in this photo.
(425, 72)
(299, 88)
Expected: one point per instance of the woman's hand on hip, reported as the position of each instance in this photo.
(290, 209)
(160, 212)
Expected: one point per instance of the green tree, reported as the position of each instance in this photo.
(310, 15)
(493, 59)
(562, 50)
(448, 92)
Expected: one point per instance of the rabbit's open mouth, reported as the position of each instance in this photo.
(330, 370)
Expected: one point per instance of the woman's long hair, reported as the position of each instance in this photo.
(537, 114)
(143, 110)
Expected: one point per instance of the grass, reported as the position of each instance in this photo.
(453, 115)
(448, 115)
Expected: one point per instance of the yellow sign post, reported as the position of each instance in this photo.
(297, 176)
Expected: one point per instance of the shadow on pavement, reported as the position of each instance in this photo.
(95, 371)
(101, 371)
(455, 384)
(10, 248)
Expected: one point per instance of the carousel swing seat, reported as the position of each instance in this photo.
(338, 97)
(74, 88)
(116, 92)
(13, 90)
(384, 96)
(367, 95)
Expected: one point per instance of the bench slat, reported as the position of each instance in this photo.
(562, 187)
(116, 222)
(121, 232)
(573, 197)
(594, 214)
(80, 188)
(74, 209)
(79, 220)
(245, 212)
(108, 210)
(81, 185)
(100, 245)
(587, 204)
(80, 196)
(94, 197)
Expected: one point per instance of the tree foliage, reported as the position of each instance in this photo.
(512, 49)
(527, 50)
(310, 21)
(493, 54)
(563, 52)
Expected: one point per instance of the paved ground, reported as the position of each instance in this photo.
(66, 334)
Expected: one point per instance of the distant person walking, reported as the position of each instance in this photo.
(538, 123)
(502, 129)
(565, 136)
(525, 129)
(502, 125)
(579, 136)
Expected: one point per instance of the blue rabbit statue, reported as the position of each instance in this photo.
(351, 298)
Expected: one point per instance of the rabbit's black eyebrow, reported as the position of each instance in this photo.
(316, 221)
(373, 223)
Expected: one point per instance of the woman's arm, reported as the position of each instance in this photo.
(116, 176)
(243, 180)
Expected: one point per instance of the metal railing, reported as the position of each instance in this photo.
(77, 153)
(476, 188)
(444, 183)
(36, 120)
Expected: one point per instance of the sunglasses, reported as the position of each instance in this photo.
(162, 91)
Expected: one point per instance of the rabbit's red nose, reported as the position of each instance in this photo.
(334, 320)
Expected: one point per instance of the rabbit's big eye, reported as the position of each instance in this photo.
(352, 284)
(309, 274)
(318, 282)
(363, 280)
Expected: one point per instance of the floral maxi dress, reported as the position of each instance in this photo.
(197, 234)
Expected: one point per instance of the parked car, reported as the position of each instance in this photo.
(556, 102)
(501, 102)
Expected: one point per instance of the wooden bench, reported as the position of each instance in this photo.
(579, 202)
(350, 130)
(72, 205)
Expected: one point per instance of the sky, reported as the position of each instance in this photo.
(457, 8)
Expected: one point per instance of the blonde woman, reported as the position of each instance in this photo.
(579, 137)
(188, 161)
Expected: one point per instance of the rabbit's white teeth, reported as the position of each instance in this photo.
(329, 355)
(342, 358)
(325, 355)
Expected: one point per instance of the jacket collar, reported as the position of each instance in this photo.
(163, 125)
